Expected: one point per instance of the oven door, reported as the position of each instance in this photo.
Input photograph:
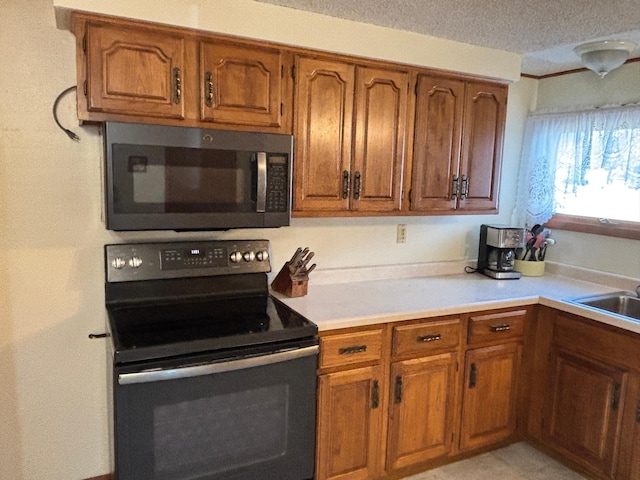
(243, 418)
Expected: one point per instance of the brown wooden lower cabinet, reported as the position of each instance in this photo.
(349, 431)
(586, 405)
(422, 409)
(585, 410)
(490, 395)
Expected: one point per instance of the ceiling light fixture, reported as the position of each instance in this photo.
(606, 55)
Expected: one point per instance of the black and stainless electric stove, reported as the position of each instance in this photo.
(181, 298)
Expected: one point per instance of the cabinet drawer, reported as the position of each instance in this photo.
(349, 348)
(426, 338)
(496, 327)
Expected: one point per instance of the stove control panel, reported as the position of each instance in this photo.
(154, 261)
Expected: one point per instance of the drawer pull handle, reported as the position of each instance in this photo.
(638, 413)
(375, 395)
(429, 338)
(352, 349)
(500, 328)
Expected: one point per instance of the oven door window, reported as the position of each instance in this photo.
(157, 179)
(243, 424)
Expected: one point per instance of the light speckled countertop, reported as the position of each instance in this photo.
(354, 301)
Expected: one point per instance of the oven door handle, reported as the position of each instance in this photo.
(218, 367)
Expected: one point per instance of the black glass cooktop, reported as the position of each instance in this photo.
(167, 330)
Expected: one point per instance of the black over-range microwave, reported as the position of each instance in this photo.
(179, 178)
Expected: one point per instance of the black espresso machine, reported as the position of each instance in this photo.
(497, 250)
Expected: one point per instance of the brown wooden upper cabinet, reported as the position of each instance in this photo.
(241, 84)
(457, 147)
(133, 71)
(350, 128)
(130, 71)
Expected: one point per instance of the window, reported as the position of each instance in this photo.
(582, 171)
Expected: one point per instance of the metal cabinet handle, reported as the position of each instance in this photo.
(352, 349)
(345, 184)
(208, 88)
(356, 185)
(177, 86)
(375, 395)
(500, 327)
(398, 390)
(454, 187)
(473, 376)
(638, 412)
(464, 188)
(429, 338)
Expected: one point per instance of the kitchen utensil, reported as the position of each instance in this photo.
(543, 252)
(537, 229)
(295, 255)
(528, 247)
(539, 240)
(303, 263)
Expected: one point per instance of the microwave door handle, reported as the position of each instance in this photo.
(261, 201)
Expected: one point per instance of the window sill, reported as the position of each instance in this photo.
(617, 228)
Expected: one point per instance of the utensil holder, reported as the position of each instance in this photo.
(529, 269)
(290, 285)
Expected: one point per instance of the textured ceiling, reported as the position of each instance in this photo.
(544, 31)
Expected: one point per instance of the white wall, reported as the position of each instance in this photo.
(53, 394)
(581, 91)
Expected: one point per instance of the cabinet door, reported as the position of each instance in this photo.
(585, 410)
(349, 424)
(322, 165)
(134, 71)
(490, 395)
(380, 124)
(436, 145)
(241, 84)
(423, 398)
(484, 121)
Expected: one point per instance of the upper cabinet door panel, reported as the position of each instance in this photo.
(241, 84)
(135, 71)
(324, 102)
(436, 148)
(485, 112)
(380, 125)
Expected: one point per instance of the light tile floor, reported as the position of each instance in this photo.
(519, 461)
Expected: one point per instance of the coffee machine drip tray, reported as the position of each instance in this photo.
(501, 275)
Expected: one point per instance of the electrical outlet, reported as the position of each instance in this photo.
(401, 235)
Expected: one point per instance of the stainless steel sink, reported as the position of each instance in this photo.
(626, 304)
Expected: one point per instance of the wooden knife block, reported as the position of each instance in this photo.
(290, 285)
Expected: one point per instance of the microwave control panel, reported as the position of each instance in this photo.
(277, 184)
(155, 261)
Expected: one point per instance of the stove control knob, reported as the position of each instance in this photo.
(235, 257)
(249, 256)
(262, 256)
(118, 263)
(135, 262)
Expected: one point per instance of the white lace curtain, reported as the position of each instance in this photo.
(559, 150)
